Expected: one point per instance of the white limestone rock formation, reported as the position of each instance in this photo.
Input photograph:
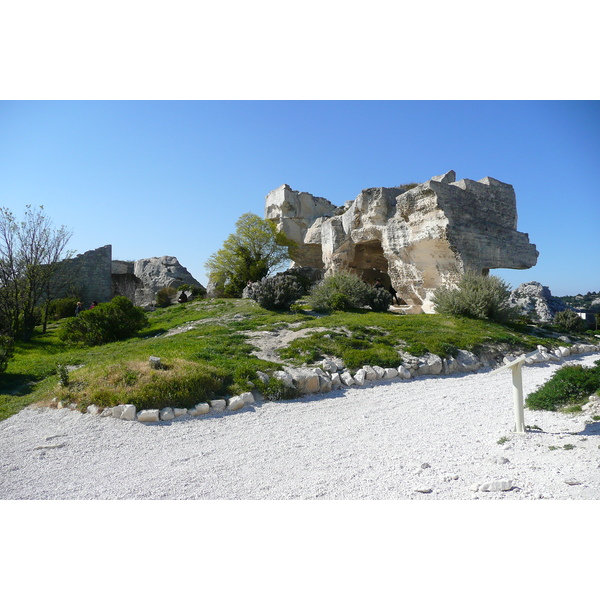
(154, 274)
(416, 239)
(536, 301)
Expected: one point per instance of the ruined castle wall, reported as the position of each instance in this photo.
(93, 271)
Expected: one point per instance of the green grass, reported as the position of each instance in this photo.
(213, 358)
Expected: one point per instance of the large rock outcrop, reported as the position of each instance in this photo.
(536, 301)
(154, 274)
(414, 239)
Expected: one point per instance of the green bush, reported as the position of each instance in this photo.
(379, 299)
(195, 290)
(275, 390)
(276, 293)
(61, 308)
(476, 296)
(107, 322)
(342, 291)
(6, 351)
(163, 297)
(569, 385)
(568, 320)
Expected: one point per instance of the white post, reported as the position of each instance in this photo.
(517, 382)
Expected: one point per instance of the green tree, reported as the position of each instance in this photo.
(254, 251)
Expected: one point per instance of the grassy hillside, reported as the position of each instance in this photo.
(203, 346)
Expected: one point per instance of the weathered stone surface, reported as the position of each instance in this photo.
(155, 362)
(360, 377)
(155, 274)
(149, 416)
(180, 412)
(467, 361)
(498, 485)
(167, 414)
(536, 302)
(417, 239)
(117, 411)
(380, 371)
(390, 373)
(404, 373)
(92, 409)
(306, 381)
(430, 364)
(262, 376)
(201, 408)
(100, 278)
(325, 384)
(370, 373)
(235, 403)
(329, 365)
(218, 405)
(347, 379)
(284, 377)
(336, 381)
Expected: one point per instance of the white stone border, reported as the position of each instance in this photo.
(334, 375)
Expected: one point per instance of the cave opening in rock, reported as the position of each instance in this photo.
(370, 264)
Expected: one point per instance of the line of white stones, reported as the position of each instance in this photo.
(333, 375)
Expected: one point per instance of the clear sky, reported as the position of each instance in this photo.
(157, 178)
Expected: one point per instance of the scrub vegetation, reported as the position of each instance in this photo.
(206, 352)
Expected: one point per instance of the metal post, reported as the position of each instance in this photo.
(517, 382)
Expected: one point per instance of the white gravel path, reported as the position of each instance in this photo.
(368, 443)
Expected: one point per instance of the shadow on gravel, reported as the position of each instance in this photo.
(591, 429)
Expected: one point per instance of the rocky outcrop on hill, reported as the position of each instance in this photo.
(535, 301)
(154, 274)
(414, 239)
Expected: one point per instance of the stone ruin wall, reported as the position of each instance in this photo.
(97, 277)
(416, 239)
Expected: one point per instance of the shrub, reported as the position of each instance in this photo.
(163, 297)
(379, 299)
(107, 322)
(476, 296)
(342, 291)
(275, 390)
(195, 290)
(6, 351)
(181, 384)
(570, 385)
(567, 320)
(276, 293)
(61, 308)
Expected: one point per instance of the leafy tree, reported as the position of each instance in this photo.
(31, 252)
(254, 251)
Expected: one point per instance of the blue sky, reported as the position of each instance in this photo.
(157, 178)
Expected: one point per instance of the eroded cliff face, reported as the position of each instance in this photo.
(414, 239)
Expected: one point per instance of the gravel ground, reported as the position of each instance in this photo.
(424, 439)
